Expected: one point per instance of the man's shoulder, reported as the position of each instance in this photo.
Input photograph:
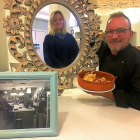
(103, 48)
(134, 51)
(132, 55)
(104, 44)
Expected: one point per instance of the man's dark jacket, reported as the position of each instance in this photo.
(125, 66)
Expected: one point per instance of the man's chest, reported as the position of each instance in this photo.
(120, 68)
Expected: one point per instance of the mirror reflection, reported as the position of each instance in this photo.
(58, 44)
(24, 104)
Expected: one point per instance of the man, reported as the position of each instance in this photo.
(122, 60)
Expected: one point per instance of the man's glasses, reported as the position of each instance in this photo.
(119, 32)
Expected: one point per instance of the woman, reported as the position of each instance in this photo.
(59, 47)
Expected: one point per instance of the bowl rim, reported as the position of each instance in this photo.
(93, 82)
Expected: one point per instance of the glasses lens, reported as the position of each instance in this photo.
(120, 31)
(109, 32)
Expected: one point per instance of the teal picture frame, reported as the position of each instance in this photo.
(35, 132)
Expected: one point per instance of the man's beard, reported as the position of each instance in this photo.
(119, 48)
(115, 49)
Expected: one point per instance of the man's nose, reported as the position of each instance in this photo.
(114, 35)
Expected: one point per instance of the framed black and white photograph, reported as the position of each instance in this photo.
(28, 104)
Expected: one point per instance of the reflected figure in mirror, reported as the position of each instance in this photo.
(59, 47)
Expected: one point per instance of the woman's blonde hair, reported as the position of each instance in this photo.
(52, 30)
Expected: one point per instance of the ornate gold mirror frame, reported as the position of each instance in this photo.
(28, 58)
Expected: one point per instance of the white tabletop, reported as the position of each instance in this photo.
(20, 108)
(86, 117)
(23, 109)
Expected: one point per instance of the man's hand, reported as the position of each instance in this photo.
(108, 95)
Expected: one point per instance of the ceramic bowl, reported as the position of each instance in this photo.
(96, 86)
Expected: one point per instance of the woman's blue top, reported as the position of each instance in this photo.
(59, 52)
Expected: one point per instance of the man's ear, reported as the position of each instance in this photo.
(131, 35)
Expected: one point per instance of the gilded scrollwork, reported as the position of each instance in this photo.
(111, 4)
(15, 9)
(13, 41)
(28, 2)
(89, 24)
(13, 25)
(26, 66)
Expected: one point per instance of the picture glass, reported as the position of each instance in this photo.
(24, 103)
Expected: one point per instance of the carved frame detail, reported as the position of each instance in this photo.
(29, 60)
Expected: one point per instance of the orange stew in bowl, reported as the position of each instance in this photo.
(91, 76)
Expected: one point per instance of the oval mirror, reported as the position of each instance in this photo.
(40, 29)
(23, 49)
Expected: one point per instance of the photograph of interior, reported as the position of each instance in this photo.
(24, 104)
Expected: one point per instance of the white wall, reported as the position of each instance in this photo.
(136, 28)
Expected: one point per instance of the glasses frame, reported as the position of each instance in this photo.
(116, 32)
